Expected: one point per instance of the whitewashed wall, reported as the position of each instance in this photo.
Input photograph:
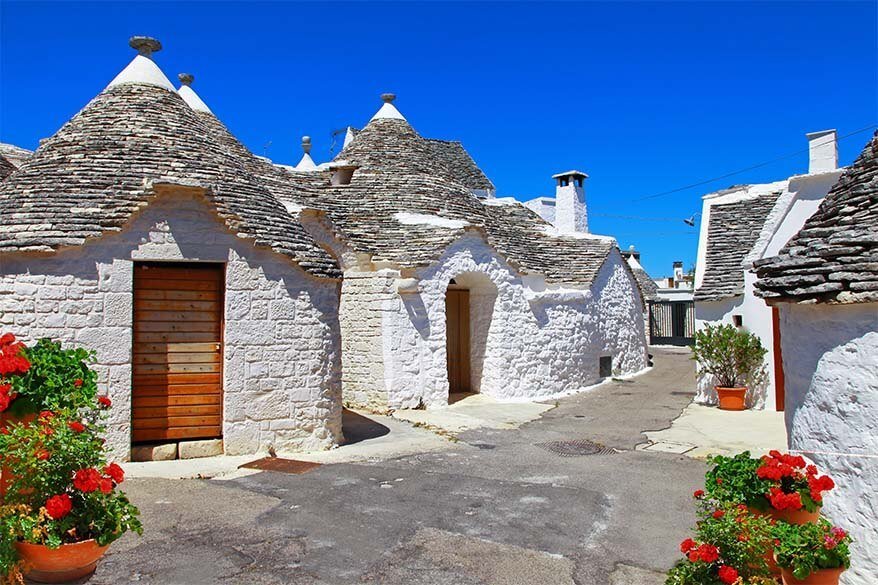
(281, 362)
(526, 344)
(831, 362)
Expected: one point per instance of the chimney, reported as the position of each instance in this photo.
(632, 252)
(678, 271)
(570, 210)
(822, 151)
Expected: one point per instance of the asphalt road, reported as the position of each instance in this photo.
(496, 508)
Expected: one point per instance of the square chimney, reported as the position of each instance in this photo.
(822, 151)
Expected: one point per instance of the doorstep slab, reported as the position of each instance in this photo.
(198, 449)
(670, 447)
(164, 452)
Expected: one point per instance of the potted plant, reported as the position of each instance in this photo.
(815, 553)
(41, 378)
(729, 548)
(62, 506)
(734, 358)
(780, 485)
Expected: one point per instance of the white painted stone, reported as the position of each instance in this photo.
(520, 349)
(193, 100)
(830, 354)
(142, 70)
(302, 328)
(387, 111)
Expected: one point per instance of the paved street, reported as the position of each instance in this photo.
(495, 508)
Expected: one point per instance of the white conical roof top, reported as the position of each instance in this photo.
(189, 96)
(388, 110)
(142, 68)
(307, 163)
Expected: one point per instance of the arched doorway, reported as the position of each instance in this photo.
(469, 310)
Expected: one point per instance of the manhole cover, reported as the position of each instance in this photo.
(281, 465)
(484, 446)
(575, 448)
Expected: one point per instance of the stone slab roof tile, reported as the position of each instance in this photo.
(464, 169)
(732, 231)
(834, 257)
(102, 166)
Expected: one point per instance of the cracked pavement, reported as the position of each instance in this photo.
(492, 509)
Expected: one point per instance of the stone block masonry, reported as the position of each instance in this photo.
(282, 343)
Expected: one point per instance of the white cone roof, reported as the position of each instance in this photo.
(142, 70)
(388, 111)
(191, 98)
(306, 164)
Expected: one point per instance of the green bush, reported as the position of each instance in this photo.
(806, 548)
(734, 357)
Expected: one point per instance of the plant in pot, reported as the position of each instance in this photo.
(733, 358)
(780, 485)
(62, 506)
(729, 548)
(815, 553)
(45, 377)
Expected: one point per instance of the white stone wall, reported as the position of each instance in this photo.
(527, 343)
(830, 355)
(365, 297)
(281, 364)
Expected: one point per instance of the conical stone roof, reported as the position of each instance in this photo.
(102, 165)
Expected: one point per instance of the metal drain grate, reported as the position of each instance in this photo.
(281, 465)
(576, 448)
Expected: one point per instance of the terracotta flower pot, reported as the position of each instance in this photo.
(65, 563)
(819, 577)
(5, 420)
(801, 516)
(731, 398)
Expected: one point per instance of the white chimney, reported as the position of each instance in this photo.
(570, 210)
(822, 151)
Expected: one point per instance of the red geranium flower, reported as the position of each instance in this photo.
(46, 415)
(59, 506)
(87, 480)
(77, 383)
(104, 402)
(717, 514)
(43, 455)
(687, 545)
(698, 494)
(76, 426)
(783, 501)
(115, 472)
(708, 553)
(5, 401)
(106, 485)
(727, 574)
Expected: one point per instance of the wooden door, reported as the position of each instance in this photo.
(178, 349)
(458, 340)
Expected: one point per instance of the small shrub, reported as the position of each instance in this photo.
(734, 357)
(806, 548)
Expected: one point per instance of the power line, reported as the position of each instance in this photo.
(744, 170)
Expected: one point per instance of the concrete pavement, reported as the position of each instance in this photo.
(497, 507)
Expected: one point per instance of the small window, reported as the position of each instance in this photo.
(578, 182)
(738, 320)
(606, 366)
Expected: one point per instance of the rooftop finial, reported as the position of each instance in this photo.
(186, 78)
(146, 46)
(306, 144)
(388, 98)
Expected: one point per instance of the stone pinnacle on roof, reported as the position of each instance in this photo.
(388, 110)
(307, 163)
(145, 46)
(188, 94)
(142, 68)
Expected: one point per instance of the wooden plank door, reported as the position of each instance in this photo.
(178, 349)
(458, 340)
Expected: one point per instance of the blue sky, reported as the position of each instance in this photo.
(645, 97)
